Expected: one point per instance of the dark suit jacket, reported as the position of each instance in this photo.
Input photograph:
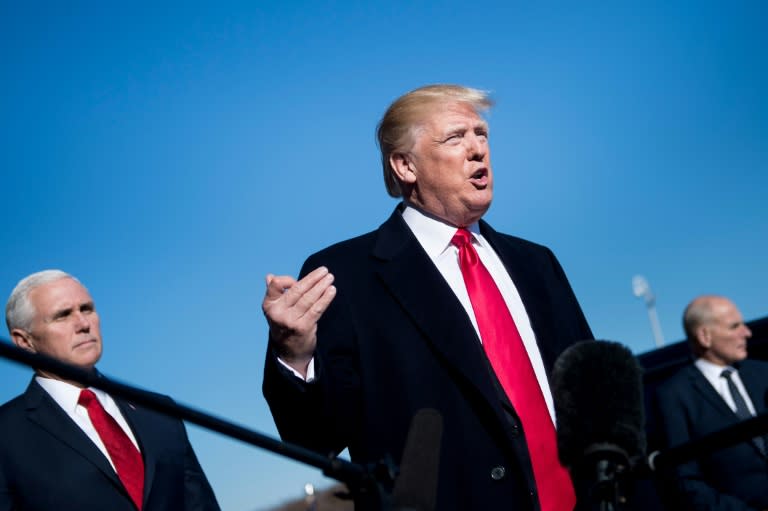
(735, 478)
(396, 339)
(47, 463)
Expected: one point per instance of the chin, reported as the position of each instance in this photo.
(481, 208)
(740, 357)
(89, 362)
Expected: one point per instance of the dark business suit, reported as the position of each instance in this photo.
(735, 478)
(47, 463)
(396, 339)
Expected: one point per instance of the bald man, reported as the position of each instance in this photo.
(720, 388)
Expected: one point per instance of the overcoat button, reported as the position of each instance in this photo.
(498, 472)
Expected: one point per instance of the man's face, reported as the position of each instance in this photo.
(65, 325)
(725, 336)
(450, 164)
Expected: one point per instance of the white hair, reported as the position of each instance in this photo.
(19, 311)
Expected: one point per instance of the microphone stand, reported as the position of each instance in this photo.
(601, 478)
(371, 484)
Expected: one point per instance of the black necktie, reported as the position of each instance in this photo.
(742, 411)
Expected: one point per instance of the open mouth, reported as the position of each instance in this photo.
(480, 177)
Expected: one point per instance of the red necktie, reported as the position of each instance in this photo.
(509, 359)
(124, 455)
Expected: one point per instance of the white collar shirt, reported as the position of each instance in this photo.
(712, 372)
(435, 238)
(66, 396)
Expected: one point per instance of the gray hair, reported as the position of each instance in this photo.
(397, 127)
(19, 311)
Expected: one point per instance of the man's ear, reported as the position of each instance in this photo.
(403, 167)
(22, 339)
(704, 337)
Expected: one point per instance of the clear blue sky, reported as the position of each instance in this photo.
(172, 155)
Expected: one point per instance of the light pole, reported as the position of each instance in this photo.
(642, 289)
(309, 497)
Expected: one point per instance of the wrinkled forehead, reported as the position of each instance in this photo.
(58, 293)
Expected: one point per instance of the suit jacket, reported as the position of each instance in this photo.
(47, 463)
(730, 479)
(396, 340)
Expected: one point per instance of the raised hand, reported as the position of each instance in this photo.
(292, 309)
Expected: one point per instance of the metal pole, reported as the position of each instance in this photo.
(655, 326)
(641, 289)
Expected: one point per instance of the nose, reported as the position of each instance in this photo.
(747, 332)
(82, 322)
(476, 147)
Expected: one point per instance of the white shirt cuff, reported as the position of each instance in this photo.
(310, 370)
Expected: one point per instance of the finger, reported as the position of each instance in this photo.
(308, 319)
(320, 305)
(307, 284)
(277, 284)
(310, 297)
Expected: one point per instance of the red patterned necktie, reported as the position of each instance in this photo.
(124, 455)
(509, 359)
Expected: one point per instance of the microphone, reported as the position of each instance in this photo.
(416, 487)
(598, 393)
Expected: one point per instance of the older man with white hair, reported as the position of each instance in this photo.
(68, 447)
(720, 388)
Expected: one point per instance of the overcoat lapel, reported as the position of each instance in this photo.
(702, 386)
(531, 293)
(708, 392)
(46, 413)
(754, 381)
(408, 273)
(141, 426)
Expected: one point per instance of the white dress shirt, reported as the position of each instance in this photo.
(435, 238)
(712, 373)
(66, 395)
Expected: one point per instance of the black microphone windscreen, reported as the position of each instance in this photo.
(598, 392)
(416, 487)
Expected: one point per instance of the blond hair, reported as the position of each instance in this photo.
(396, 130)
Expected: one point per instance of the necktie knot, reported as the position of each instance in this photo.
(87, 398)
(461, 238)
(727, 373)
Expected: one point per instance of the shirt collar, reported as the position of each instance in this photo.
(710, 370)
(435, 235)
(66, 394)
